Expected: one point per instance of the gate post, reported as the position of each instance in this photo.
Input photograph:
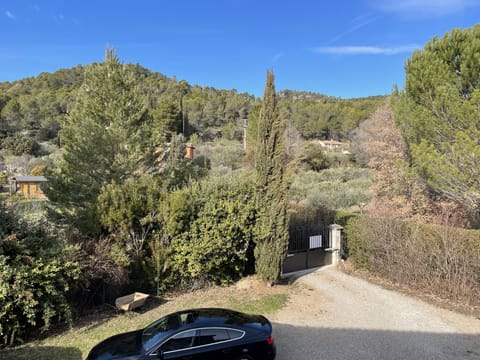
(335, 237)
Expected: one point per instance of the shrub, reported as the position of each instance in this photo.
(440, 260)
(32, 293)
(35, 278)
(314, 157)
(213, 231)
(20, 144)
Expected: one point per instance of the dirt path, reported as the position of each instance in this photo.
(332, 315)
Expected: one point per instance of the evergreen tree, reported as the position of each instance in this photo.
(438, 115)
(167, 121)
(102, 140)
(272, 188)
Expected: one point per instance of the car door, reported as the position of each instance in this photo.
(179, 346)
(215, 344)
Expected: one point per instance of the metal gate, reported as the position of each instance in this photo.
(307, 248)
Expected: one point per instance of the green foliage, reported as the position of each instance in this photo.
(159, 260)
(19, 144)
(333, 188)
(223, 153)
(166, 120)
(315, 158)
(11, 115)
(320, 116)
(175, 169)
(102, 140)
(252, 129)
(32, 293)
(272, 188)
(130, 211)
(438, 113)
(211, 225)
(36, 276)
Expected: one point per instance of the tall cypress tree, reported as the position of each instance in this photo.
(101, 140)
(272, 188)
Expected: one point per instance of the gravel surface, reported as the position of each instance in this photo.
(332, 315)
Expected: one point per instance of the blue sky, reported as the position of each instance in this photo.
(338, 48)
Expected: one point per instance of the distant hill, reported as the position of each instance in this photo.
(35, 106)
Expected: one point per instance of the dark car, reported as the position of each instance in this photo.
(207, 334)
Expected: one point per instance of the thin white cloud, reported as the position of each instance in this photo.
(58, 17)
(358, 23)
(277, 57)
(417, 8)
(365, 50)
(10, 15)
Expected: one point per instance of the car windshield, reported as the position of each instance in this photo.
(158, 330)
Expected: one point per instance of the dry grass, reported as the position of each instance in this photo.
(249, 295)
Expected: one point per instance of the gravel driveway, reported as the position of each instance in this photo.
(333, 316)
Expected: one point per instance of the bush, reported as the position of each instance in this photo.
(314, 157)
(32, 293)
(440, 260)
(20, 144)
(211, 231)
(36, 277)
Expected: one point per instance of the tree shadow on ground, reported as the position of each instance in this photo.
(292, 277)
(151, 303)
(107, 312)
(311, 343)
(41, 353)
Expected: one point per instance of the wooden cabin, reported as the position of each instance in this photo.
(28, 186)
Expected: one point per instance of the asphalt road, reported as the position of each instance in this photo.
(333, 316)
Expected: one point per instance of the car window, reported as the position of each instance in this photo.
(187, 318)
(210, 336)
(158, 330)
(235, 334)
(183, 340)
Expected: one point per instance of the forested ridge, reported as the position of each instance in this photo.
(36, 107)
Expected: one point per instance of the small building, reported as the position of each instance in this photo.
(29, 186)
(331, 144)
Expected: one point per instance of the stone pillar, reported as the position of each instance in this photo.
(335, 234)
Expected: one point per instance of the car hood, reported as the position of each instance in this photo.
(126, 345)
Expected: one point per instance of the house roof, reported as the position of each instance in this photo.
(332, 142)
(29, 178)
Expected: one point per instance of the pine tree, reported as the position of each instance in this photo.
(101, 140)
(438, 114)
(272, 223)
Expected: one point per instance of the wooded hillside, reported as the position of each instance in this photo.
(32, 109)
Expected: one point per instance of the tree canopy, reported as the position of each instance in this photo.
(101, 138)
(438, 114)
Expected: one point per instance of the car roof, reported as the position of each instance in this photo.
(218, 317)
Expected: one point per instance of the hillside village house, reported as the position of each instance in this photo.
(331, 144)
(29, 186)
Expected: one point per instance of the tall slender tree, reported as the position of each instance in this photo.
(101, 140)
(272, 188)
